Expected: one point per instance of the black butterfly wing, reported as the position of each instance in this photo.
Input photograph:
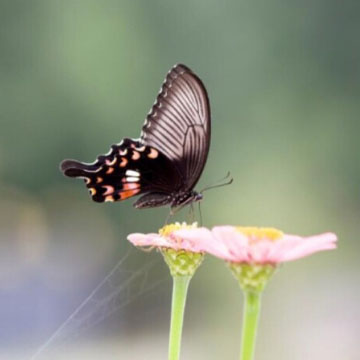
(129, 169)
(169, 157)
(178, 124)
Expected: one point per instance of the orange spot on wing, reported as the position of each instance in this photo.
(109, 189)
(135, 155)
(109, 198)
(131, 186)
(124, 161)
(129, 193)
(153, 154)
(123, 152)
(110, 170)
(99, 179)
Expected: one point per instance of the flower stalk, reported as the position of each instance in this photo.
(180, 288)
(252, 279)
(183, 257)
(252, 304)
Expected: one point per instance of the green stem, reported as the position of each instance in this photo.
(251, 314)
(180, 287)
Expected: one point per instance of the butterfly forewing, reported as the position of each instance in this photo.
(179, 123)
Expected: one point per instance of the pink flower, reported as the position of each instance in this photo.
(251, 245)
(183, 256)
(167, 239)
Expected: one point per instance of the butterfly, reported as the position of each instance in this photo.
(166, 162)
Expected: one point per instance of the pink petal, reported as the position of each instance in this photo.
(201, 239)
(233, 243)
(188, 243)
(174, 241)
(151, 239)
(260, 251)
(311, 245)
(281, 247)
(227, 243)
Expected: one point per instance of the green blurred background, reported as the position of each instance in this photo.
(77, 76)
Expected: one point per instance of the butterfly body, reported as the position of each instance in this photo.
(174, 200)
(165, 163)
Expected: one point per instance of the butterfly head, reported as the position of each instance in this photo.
(197, 196)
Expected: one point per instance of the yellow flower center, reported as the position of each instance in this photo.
(259, 233)
(170, 228)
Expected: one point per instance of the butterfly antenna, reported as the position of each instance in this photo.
(220, 183)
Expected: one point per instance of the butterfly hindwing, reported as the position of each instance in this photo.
(129, 169)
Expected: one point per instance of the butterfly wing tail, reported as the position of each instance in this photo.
(91, 175)
(73, 168)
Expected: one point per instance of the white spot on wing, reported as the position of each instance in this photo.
(132, 179)
(132, 173)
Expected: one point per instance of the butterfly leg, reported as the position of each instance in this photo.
(169, 216)
(176, 208)
(191, 215)
(200, 215)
